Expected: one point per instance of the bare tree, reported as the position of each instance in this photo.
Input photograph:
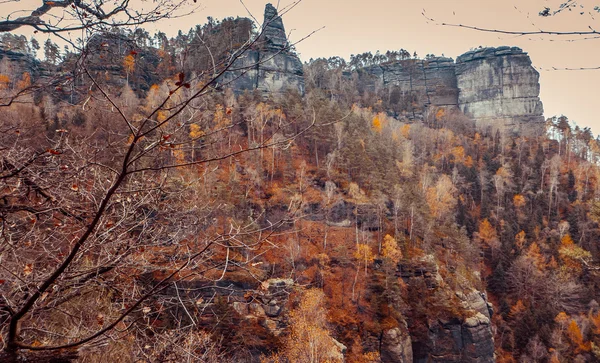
(93, 226)
(61, 16)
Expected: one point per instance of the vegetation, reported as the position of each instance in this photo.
(180, 221)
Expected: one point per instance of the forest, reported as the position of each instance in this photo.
(151, 213)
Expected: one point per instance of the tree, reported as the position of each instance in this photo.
(309, 340)
(51, 52)
(79, 212)
(89, 14)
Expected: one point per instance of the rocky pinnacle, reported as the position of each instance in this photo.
(274, 31)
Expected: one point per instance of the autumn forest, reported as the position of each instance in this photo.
(210, 198)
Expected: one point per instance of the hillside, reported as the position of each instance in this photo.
(160, 202)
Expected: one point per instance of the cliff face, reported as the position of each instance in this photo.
(499, 85)
(419, 83)
(270, 67)
(449, 338)
(14, 64)
(491, 85)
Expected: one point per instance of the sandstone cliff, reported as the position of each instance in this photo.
(499, 85)
(496, 86)
(271, 67)
(419, 84)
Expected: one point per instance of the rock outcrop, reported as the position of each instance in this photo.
(270, 67)
(500, 86)
(14, 64)
(419, 84)
(396, 346)
(496, 86)
(465, 335)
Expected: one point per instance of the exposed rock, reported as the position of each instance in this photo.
(463, 333)
(491, 85)
(271, 67)
(425, 268)
(396, 346)
(419, 84)
(500, 86)
(453, 341)
(14, 64)
(338, 354)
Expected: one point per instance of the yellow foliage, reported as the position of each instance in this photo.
(195, 131)
(573, 256)
(363, 253)
(129, 63)
(405, 130)
(179, 155)
(162, 116)
(309, 339)
(459, 154)
(562, 318)
(390, 249)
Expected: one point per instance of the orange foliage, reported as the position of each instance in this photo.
(574, 334)
(519, 200)
(25, 81)
(520, 240)
(129, 63)
(376, 125)
(4, 81)
(517, 309)
(535, 255)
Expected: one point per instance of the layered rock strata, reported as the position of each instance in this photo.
(270, 67)
(495, 86)
(500, 86)
(419, 83)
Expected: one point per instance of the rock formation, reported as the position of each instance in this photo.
(500, 85)
(271, 67)
(450, 338)
(14, 64)
(419, 83)
(496, 86)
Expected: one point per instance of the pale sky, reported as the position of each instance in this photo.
(356, 26)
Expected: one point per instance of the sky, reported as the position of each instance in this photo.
(348, 27)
